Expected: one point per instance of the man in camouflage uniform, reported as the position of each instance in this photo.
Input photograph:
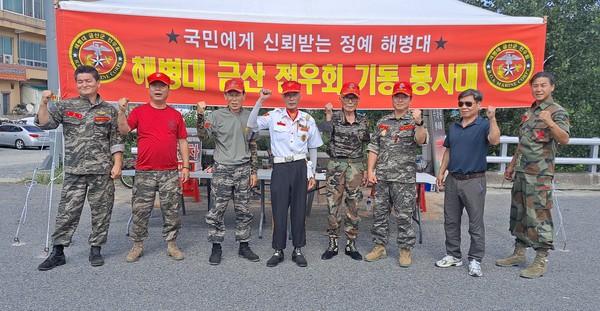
(393, 148)
(93, 158)
(544, 125)
(345, 170)
(161, 133)
(235, 168)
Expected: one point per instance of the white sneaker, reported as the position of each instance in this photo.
(475, 268)
(449, 261)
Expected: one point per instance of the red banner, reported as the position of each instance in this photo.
(200, 55)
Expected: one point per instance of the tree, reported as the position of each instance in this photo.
(572, 55)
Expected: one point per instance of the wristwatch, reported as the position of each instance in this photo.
(420, 123)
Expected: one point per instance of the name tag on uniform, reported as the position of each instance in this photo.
(304, 128)
(101, 118)
(280, 127)
(407, 127)
(73, 114)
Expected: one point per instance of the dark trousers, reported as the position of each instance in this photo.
(470, 196)
(288, 190)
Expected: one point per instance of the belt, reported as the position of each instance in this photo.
(296, 157)
(468, 176)
(351, 160)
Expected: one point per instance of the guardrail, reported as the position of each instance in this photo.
(592, 161)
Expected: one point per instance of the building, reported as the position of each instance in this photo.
(23, 65)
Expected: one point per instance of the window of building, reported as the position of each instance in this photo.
(38, 9)
(32, 54)
(13, 6)
(32, 8)
(6, 46)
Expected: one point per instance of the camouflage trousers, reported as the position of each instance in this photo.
(531, 211)
(399, 198)
(343, 177)
(230, 182)
(145, 186)
(100, 191)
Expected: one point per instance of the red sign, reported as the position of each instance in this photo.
(200, 55)
(13, 72)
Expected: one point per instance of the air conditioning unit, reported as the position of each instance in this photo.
(7, 58)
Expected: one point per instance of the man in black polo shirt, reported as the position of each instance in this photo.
(465, 159)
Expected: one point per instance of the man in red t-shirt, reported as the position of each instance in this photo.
(160, 130)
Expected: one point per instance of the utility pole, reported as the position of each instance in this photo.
(56, 146)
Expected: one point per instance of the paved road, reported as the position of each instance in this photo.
(16, 165)
(158, 283)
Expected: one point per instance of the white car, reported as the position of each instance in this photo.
(23, 136)
(28, 121)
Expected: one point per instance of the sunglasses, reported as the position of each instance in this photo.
(468, 104)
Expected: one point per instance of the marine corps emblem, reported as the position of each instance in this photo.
(508, 65)
(101, 50)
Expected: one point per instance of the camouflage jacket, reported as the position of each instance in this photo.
(536, 151)
(347, 139)
(90, 131)
(394, 143)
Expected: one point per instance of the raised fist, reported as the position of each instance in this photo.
(123, 102)
(201, 107)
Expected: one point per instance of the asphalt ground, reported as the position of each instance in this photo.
(156, 282)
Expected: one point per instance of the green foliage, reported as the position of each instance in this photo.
(43, 177)
(130, 141)
(572, 56)
(190, 118)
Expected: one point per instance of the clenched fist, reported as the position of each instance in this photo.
(416, 114)
(491, 112)
(201, 107)
(123, 103)
(46, 97)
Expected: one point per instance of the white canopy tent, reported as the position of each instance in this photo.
(331, 12)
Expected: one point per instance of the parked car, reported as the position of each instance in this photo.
(27, 120)
(23, 136)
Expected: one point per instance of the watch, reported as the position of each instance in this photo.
(420, 123)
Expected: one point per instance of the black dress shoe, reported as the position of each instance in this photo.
(275, 259)
(56, 258)
(298, 258)
(215, 255)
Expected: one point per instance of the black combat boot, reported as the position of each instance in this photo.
(95, 257)
(215, 255)
(352, 251)
(332, 250)
(56, 258)
(298, 258)
(246, 252)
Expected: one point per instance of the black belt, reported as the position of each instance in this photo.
(468, 176)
